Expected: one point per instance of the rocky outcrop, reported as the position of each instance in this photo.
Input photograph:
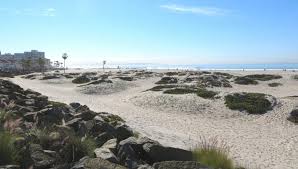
(178, 165)
(57, 135)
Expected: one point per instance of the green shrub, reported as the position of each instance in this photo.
(213, 154)
(274, 84)
(57, 104)
(295, 77)
(161, 87)
(180, 91)
(113, 119)
(226, 75)
(80, 80)
(171, 73)
(263, 77)
(253, 103)
(75, 148)
(8, 153)
(245, 81)
(206, 94)
(167, 80)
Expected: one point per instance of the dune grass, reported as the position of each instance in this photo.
(263, 77)
(206, 94)
(245, 81)
(274, 84)
(8, 153)
(213, 153)
(161, 87)
(253, 103)
(180, 91)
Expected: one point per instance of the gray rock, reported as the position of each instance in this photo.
(75, 105)
(294, 115)
(96, 163)
(106, 154)
(102, 138)
(40, 158)
(157, 152)
(10, 167)
(179, 165)
(123, 132)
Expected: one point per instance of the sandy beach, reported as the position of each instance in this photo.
(267, 141)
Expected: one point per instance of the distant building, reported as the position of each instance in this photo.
(16, 61)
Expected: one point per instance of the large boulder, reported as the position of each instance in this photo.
(179, 165)
(96, 163)
(157, 152)
(294, 115)
(107, 151)
(38, 158)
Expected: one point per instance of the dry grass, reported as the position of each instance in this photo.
(213, 153)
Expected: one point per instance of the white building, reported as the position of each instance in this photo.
(15, 61)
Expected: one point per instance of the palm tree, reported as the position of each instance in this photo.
(64, 56)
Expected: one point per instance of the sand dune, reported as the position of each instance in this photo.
(266, 141)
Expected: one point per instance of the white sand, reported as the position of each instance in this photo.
(266, 141)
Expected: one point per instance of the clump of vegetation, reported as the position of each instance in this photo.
(274, 84)
(295, 77)
(113, 119)
(206, 94)
(48, 77)
(8, 152)
(214, 154)
(125, 78)
(253, 103)
(75, 148)
(171, 73)
(57, 104)
(263, 77)
(167, 80)
(161, 87)
(226, 75)
(180, 91)
(80, 80)
(245, 81)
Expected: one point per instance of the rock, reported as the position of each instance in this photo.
(95, 163)
(294, 115)
(74, 123)
(179, 165)
(123, 132)
(145, 166)
(48, 77)
(128, 153)
(103, 138)
(50, 116)
(39, 158)
(75, 105)
(125, 78)
(10, 167)
(106, 154)
(111, 145)
(157, 152)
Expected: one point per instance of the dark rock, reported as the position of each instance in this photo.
(123, 132)
(125, 78)
(179, 165)
(74, 123)
(102, 138)
(48, 77)
(75, 105)
(96, 163)
(157, 153)
(294, 116)
(39, 158)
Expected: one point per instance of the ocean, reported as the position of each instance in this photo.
(196, 66)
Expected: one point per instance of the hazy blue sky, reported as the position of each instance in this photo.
(153, 31)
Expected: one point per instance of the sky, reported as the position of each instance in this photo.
(153, 31)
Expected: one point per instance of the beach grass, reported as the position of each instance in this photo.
(253, 103)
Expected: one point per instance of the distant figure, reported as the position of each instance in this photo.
(243, 70)
(264, 69)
